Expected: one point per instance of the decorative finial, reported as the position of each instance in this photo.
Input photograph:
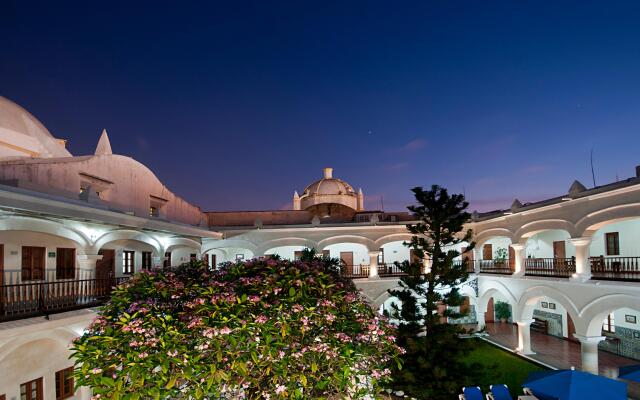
(104, 146)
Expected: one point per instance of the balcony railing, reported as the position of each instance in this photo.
(615, 268)
(354, 271)
(495, 267)
(551, 267)
(390, 269)
(31, 299)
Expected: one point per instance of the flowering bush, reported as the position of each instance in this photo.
(265, 329)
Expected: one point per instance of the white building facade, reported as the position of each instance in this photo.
(79, 224)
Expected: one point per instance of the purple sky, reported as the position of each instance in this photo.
(235, 105)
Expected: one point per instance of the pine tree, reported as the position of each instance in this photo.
(428, 298)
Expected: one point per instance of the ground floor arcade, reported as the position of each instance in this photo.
(558, 352)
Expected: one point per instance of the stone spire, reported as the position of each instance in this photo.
(360, 200)
(576, 187)
(104, 146)
(296, 200)
(515, 205)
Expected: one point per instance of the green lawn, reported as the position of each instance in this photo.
(500, 366)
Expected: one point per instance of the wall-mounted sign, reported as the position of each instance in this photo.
(13, 252)
(552, 306)
(544, 304)
(630, 319)
(52, 254)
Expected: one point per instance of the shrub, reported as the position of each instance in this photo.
(502, 310)
(257, 329)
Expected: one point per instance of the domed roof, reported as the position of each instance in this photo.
(328, 185)
(25, 135)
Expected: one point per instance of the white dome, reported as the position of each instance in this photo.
(22, 135)
(329, 190)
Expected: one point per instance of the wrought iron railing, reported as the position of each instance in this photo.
(354, 271)
(390, 269)
(551, 267)
(495, 267)
(469, 264)
(615, 268)
(34, 298)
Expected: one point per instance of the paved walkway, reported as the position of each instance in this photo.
(560, 353)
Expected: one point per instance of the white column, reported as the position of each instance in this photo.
(373, 264)
(524, 337)
(589, 352)
(477, 256)
(583, 265)
(480, 320)
(426, 265)
(157, 261)
(519, 251)
(87, 265)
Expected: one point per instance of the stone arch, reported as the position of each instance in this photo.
(484, 236)
(289, 241)
(384, 296)
(127, 234)
(529, 229)
(60, 336)
(394, 237)
(590, 223)
(592, 315)
(45, 226)
(489, 289)
(182, 242)
(531, 296)
(467, 291)
(366, 242)
(230, 243)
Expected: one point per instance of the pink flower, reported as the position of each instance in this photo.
(280, 389)
(261, 319)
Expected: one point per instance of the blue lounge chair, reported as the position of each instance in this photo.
(499, 392)
(471, 393)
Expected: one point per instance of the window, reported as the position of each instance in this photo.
(609, 324)
(612, 243)
(32, 263)
(167, 260)
(154, 212)
(193, 256)
(65, 263)
(64, 383)
(127, 261)
(156, 206)
(146, 260)
(3, 397)
(31, 390)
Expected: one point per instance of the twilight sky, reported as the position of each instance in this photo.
(234, 105)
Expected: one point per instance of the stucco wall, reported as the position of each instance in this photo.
(133, 183)
(13, 242)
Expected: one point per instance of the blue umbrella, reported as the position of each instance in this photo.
(569, 384)
(630, 372)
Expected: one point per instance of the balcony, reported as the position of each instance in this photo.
(36, 298)
(550, 267)
(354, 271)
(501, 267)
(389, 269)
(615, 268)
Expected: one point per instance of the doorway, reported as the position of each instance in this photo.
(346, 257)
(106, 268)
